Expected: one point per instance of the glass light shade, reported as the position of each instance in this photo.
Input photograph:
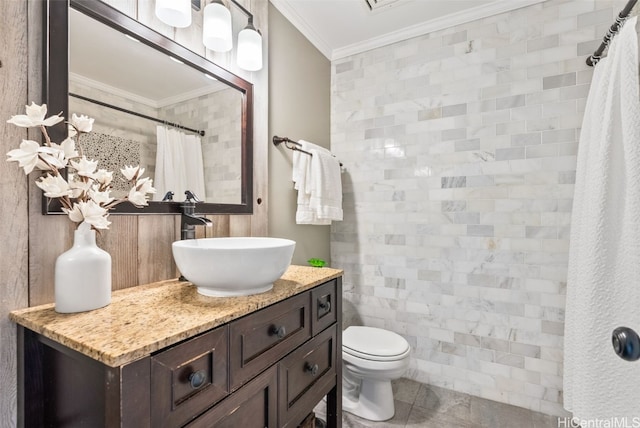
(176, 13)
(249, 49)
(216, 29)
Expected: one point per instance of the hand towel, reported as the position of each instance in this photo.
(603, 286)
(326, 186)
(302, 176)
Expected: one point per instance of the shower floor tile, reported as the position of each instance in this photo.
(425, 406)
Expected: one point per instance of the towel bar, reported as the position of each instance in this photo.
(290, 144)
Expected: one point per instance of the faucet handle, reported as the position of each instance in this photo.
(190, 196)
(168, 197)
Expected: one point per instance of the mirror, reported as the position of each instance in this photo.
(155, 103)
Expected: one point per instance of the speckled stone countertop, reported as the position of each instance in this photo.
(144, 319)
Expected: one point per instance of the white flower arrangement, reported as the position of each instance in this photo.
(84, 194)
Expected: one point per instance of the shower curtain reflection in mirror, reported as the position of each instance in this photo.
(179, 165)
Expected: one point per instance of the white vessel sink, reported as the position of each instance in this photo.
(222, 267)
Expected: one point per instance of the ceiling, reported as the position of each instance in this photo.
(339, 28)
(103, 58)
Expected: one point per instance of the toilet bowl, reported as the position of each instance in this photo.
(372, 358)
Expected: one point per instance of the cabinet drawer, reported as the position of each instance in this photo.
(262, 338)
(305, 376)
(323, 307)
(252, 406)
(189, 378)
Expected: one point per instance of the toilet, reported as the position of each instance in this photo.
(372, 358)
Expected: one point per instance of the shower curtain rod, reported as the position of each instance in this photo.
(134, 113)
(624, 14)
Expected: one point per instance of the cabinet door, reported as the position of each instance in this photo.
(305, 376)
(252, 406)
(323, 306)
(189, 378)
(262, 338)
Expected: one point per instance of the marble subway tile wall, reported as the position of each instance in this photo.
(460, 155)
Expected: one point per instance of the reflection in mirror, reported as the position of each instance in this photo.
(186, 120)
(149, 90)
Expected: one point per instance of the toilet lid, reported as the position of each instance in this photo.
(373, 343)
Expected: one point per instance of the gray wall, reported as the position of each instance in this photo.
(299, 108)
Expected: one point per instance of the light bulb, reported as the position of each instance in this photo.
(176, 13)
(249, 49)
(216, 29)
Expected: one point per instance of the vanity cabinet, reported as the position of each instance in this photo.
(266, 368)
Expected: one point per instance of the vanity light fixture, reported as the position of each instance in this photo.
(176, 13)
(216, 28)
(217, 36)
(249, 48)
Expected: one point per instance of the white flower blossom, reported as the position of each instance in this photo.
(79, 186)
(68, 149)
(145, 185)
(137, 198)
(131, 173)
(26, 155)
(103, 177)
(101, 198)
(91, 212)
(86, 194)
(54, 186)
(75, 215)
(85, 167)
(35, 117)
(51, 157)
(82, 123)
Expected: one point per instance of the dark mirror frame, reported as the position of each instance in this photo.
(55, 88)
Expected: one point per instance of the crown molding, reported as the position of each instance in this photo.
(215, 86)
(289, 12)
(494, 8)
(78, 78)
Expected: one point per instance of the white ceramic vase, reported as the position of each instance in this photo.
(83, 274)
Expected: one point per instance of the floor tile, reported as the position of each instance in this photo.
(427, 406)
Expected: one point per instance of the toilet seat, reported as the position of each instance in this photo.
(374, 344)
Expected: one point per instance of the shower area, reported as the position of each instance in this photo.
(460, 151)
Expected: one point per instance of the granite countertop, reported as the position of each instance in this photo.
(144, 319)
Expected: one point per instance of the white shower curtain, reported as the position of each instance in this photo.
(179, 164)
(603, 288)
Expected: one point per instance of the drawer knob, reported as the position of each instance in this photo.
(197, 379)
(325, 306)
(279, 331)
(309, 368)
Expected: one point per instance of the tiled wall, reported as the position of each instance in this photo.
(118, 124)
(460, 153)
(220, 114)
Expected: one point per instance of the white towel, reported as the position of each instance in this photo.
(326, 186)
(306, 175)
(603, 287)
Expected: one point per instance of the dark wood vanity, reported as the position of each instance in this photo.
(256, 361)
